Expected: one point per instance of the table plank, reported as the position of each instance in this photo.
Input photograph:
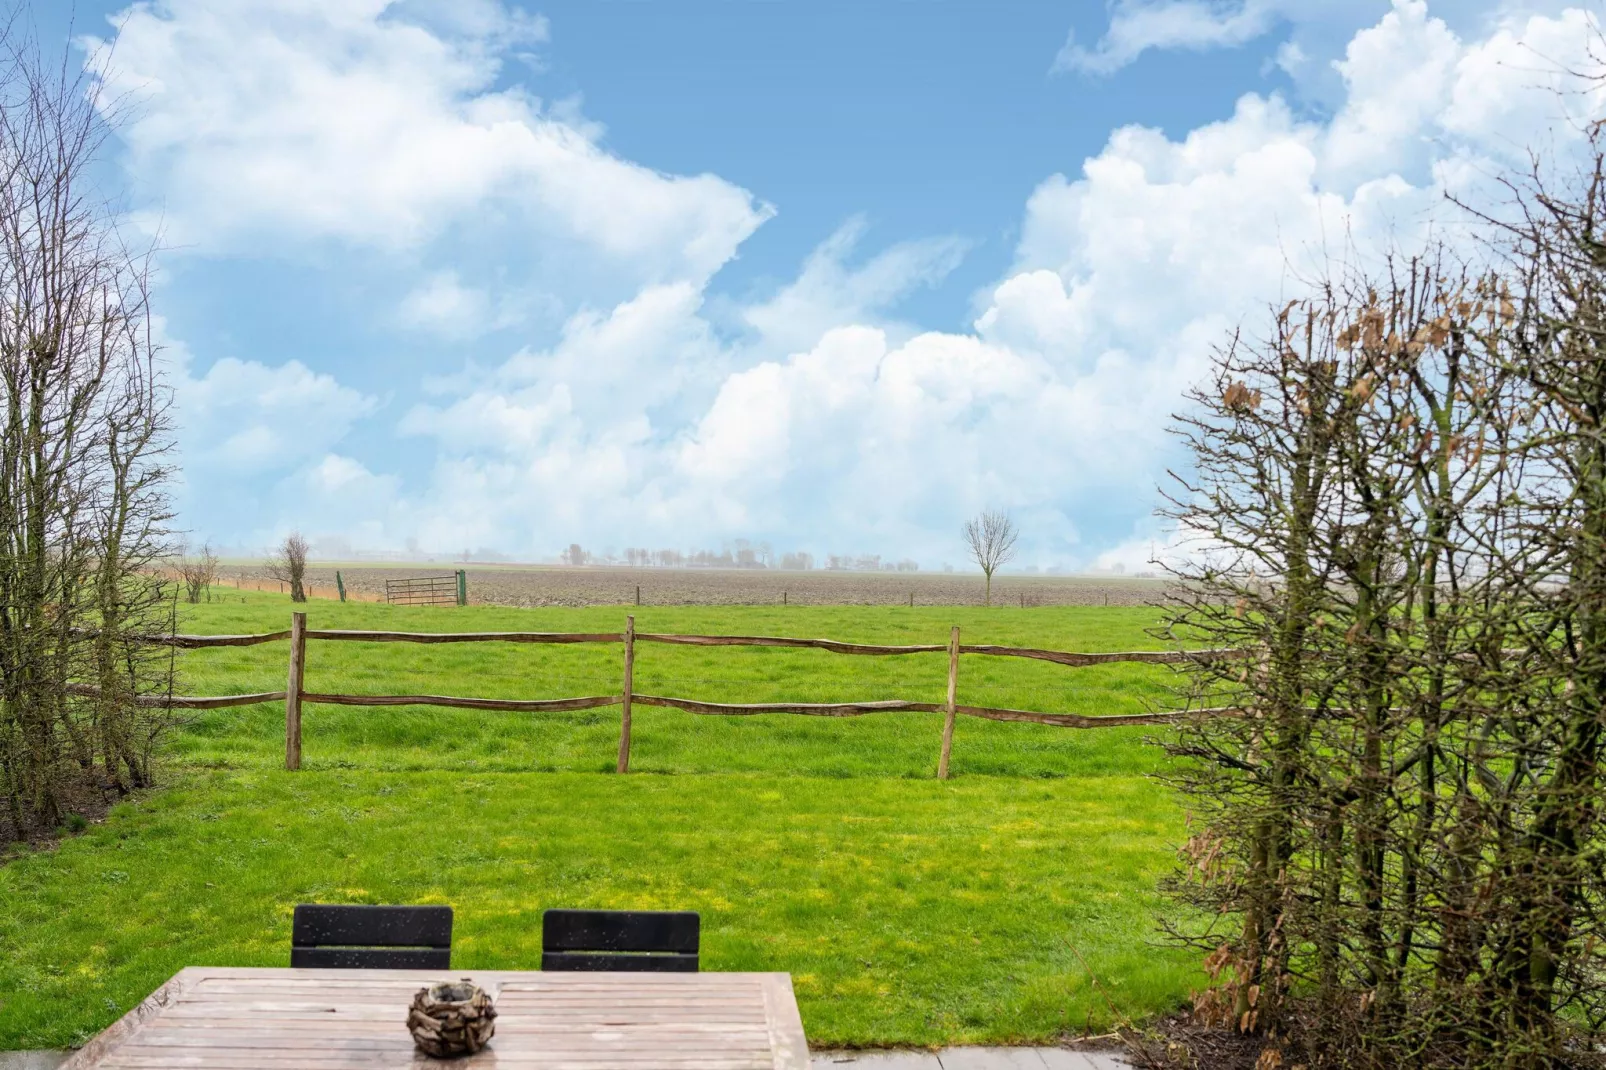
(266, 1019)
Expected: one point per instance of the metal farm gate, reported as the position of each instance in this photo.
(429, 590)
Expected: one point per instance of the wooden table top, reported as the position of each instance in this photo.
(254, 1019)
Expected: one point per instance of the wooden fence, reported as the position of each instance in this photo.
(295, 693)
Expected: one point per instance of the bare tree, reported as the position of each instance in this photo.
(990, 538)
(198, 571)
(83, 435)
(289, 565)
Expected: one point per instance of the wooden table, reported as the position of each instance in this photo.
(246, 1019)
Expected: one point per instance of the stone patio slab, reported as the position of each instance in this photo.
(32, 1060)
(876, 1060)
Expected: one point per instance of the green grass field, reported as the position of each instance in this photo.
(908, 911)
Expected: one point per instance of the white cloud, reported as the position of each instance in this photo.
(1423, 103)
(1208, 222)
(1291, 57)
(1511, 88)
(262, 122)
(1397, 74)
(344, 496)
(1136, 26)
(1314, 26)
(443, 306)
(246, 418)
(886, 439)
(829, 292)
(243, 429)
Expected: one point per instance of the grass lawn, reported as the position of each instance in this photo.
(908, 911)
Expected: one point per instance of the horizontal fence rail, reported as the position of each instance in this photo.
(295, 693)
(464, 637)
(516, 705)
(775, 640)
(195, 642)
(191, 642)
(185, 702)
(859, 709)
(1066, 657)
(213, 702)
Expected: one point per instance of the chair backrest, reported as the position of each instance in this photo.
(657, 940)
(372, 937)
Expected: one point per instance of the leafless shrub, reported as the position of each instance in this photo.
(198, 572)
(289, 565)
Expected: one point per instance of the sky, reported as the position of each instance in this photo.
(472, 275)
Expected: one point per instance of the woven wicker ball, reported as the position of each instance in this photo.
(451, 1018)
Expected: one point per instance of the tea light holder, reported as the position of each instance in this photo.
(451, 1018)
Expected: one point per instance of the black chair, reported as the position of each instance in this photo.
(372, 938)
(660, 941)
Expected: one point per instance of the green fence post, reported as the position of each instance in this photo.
(340, 585)
(462, 587)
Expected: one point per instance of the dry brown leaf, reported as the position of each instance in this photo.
(1240, 398)
(1372, 329)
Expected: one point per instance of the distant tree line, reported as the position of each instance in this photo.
(741, 554)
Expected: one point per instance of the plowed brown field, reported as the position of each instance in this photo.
(534, 585)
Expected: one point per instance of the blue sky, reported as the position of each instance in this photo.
(834, 275)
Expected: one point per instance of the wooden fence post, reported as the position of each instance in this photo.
(948, 717)
(638, 594)
(624, 717)
(292, 691)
